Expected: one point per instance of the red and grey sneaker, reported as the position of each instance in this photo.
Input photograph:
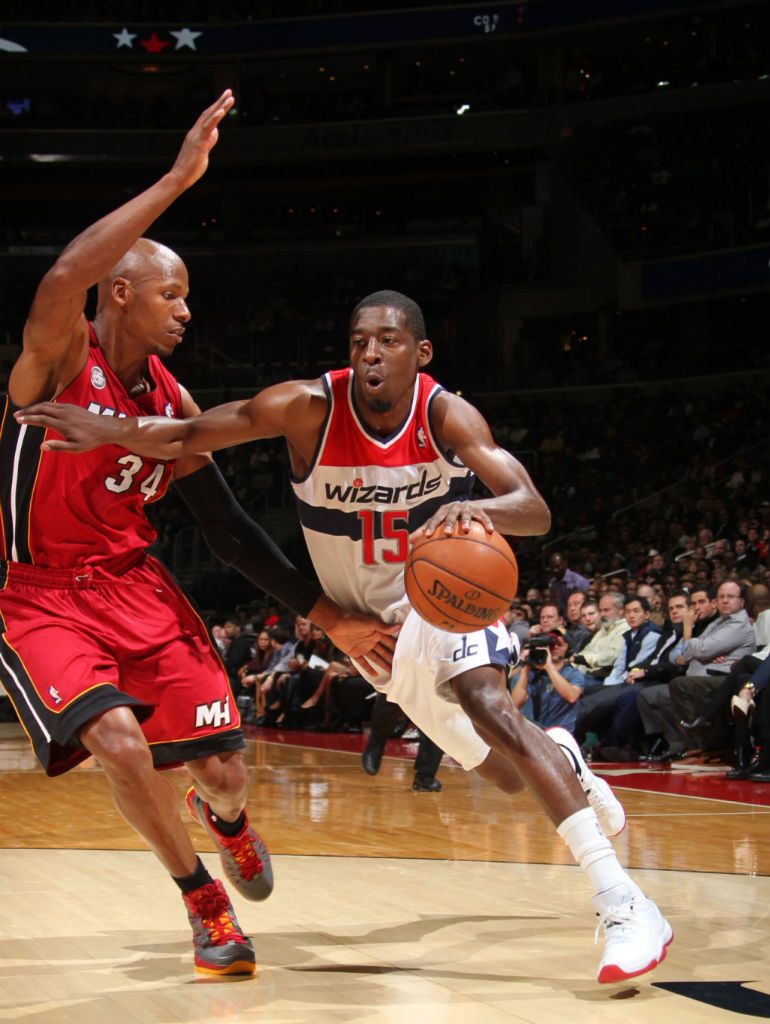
(244, 857)
(219, 944)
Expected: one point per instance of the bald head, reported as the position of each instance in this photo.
(145, 259)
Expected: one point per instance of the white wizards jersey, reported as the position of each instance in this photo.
(363, 495)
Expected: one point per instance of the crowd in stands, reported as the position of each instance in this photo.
(661, 672)
(649, 556)
(631, 471)
(286, 673)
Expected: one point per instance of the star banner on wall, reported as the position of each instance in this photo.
(185, 39)
(355, 29)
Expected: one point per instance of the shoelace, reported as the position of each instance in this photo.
(213, 908)
(598, 797)
(241, 848)
(614, 917)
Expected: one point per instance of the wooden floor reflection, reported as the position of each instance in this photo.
(390, 905)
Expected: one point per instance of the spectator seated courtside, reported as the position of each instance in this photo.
(596, 710)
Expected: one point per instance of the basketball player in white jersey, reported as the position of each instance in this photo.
(378, 452)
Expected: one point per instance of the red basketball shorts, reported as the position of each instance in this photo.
(77, 642)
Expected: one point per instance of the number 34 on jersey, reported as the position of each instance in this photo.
(129, 467)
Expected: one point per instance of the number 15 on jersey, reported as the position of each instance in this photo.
(392, 525)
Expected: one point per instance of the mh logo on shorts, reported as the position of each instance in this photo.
(216, 714)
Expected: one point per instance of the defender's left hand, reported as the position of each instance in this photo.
(364, 637)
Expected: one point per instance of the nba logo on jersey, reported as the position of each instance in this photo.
(54, 694)
(421, 442)
(168, 410)
(98, 380)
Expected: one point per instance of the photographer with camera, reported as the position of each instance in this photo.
(549, 681)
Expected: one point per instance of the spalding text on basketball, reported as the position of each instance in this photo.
(447, 596)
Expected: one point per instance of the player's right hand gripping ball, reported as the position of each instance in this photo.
(462, 581)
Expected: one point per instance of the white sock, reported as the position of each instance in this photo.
(594, 853)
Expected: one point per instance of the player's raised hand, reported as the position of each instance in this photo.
(80, 429)
(193, 157)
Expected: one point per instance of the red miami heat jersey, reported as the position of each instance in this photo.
(364, 495)
(63, 511)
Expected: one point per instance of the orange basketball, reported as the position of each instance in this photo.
(461, 581)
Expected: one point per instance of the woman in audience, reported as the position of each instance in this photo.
(251, 676)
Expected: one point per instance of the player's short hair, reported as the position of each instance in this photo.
(412, 312)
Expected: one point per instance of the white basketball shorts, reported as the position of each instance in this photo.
(425, 661)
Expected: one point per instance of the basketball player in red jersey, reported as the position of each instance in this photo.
(100, 652)
(380, 452)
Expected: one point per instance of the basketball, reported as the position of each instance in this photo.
(460, 582)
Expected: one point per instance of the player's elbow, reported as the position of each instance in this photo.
(541, 518)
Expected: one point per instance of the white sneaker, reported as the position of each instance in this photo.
(606, 806)
(636, 935)
(608, 809)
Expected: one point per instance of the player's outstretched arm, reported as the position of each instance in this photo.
(157, 437)
(517, 509)
(56, 334)
(292, 409)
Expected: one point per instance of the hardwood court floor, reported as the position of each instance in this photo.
(391, 907)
